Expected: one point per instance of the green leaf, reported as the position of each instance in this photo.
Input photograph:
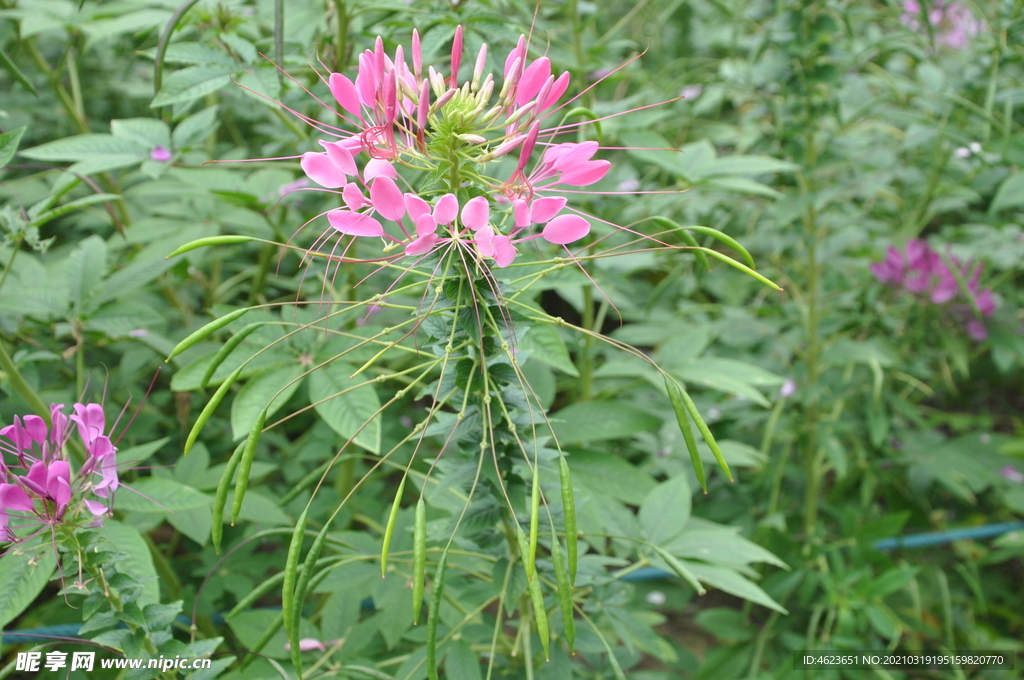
(749, 165)
(545, 344)
(136, 454)
(250, 626)
(462, 662)
(148, 132)
(610, 475)
(191, 83)
(85, 147)
(722, 546)
(23, 575)
(196, 53)
(84, 271)
(346, 413)
(598, 420)
(159, 494)
(257, 393)
(730, 375)
(135, 560)
(742, 185)
(1010, 193)
(195, 128)
(665, 510)
(9, 145)
(734, 584)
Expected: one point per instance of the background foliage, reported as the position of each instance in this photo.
(817, 133)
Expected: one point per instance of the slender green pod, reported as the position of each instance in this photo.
(208, 410)
(220, 499)
(227, 349)
(291, 567)
(432, 616)
(524, 553)
(691, 408)
(245, 466)
(675, 395)
(727, 240)
(210, 241)
(569, 508)
(540, 615)
(306, 575)
(742, 267)
(534, 517)
(687, 237)
(680, 569)
(389, 529)
(419, 559)
(616, 668)
(206, 331)
(564, 593)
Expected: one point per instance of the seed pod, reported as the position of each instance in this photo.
(390, 528)
(210, 407)
(307, 573)
(209, 241)
(540, 615)
(680, 569)
(687, 237)
(569, 508)
(524, 553)
(564, 593)
(675, 395)
(419, 559)
(705, 432)
(226, 350)
(534, 517)
(205, 332)
(221, 497)
(291, 567)
(245, 467)
(432, 617)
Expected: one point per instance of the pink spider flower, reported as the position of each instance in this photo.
(46, 487)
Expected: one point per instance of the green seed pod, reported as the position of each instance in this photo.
(245, 467)
(564, 593)
(390, 528)
(432, 617)
(675, 395)
(534, 517)
(221, 497)
(291, 567)
(208, 410)
(569, 508)
(540, 615)
(209, 241)
(226, 351)
(206, 331)
(419, 559)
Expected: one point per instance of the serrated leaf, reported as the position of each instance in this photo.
(346, 413)
(191, 83)
(23, 575)
(665, 510)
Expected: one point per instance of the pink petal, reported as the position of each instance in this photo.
(585, 173)
(424, 244)
(387, 199)
(446, 208)
(521, 210)
(354, 197)
(416, 206)
(58, 478)
(425, 224)
(345, 93)
(319, 168)
(341, 157)
(565, 229)
(354, 224)
(366, 80)
(573, 154)
(456, 54)
(485, 241)
(90, 421)
(378, 167)
(504, 251)
(36, 478)
(518, 52)
(532, 80)
(60, 424)
(97, 508)
(36, 428)
(14, 498)
(557, 90)
(476, 213)
(543, 209)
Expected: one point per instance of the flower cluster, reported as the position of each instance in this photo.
(399, 115)
(45, 488)
(953, 23)
(920, 270)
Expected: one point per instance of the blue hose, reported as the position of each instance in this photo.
(70, 630)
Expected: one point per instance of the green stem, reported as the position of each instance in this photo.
(22, 388)
(340, 36)
(586, 350)
(10, 262)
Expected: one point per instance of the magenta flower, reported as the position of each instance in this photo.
(47, 487)
(952, 23)
(919, 270)
(160, 154)
(1013, 474)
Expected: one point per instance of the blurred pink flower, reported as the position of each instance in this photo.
(953, 23)
(1013, 474)
(691, 91)
(160, 154)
